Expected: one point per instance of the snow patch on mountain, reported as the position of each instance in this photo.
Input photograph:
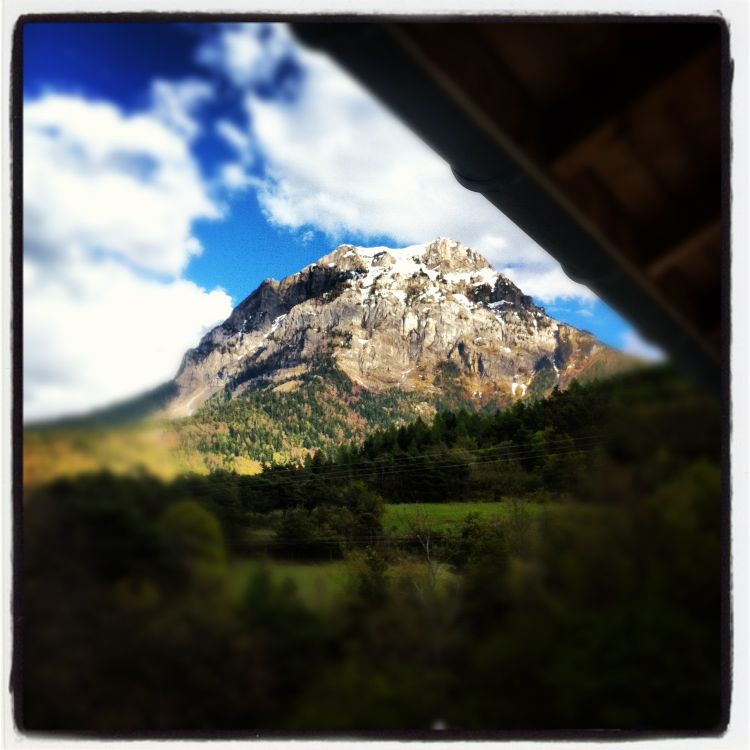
(390, 317)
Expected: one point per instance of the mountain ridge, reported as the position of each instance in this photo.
(392, 318)
(363, 339)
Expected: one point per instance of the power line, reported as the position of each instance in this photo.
(386, 471)
(406, 459)
(518, 450)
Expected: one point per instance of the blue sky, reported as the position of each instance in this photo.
(170, 168)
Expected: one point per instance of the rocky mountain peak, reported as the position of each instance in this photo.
(343, 258)
(390, 318)
(447, 255)
(443, 255)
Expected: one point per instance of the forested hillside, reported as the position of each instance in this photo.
(317, 411)
(322, 410)
(554, 566)
(283, 422)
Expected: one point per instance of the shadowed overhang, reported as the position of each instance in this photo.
(605, 141)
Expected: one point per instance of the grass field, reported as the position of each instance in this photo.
(321, 584)
(318, 584)
(399, 517)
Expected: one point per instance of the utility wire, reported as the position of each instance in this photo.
(519, 450)
(386, 471)
(514, 446)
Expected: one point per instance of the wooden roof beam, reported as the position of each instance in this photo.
(710, 233)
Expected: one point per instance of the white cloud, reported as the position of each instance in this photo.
(103, 332)
(547, 282)
(96, 179)
(175, 102)
(109, 201)
(246, 53)
(234, 177)
(338, 161)
(237, 138)
(633, 344)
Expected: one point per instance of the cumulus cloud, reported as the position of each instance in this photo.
(109, 202)
(119, 334)
(632, 343)
(237, 138)
(236, 175)
(547, 282)
(248, 54)
(175, 103)
(96, 179)
(338, 161)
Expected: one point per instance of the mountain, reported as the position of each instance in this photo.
(364, 339)
(424, 320)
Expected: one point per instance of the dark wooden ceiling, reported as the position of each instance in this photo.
(623, 121)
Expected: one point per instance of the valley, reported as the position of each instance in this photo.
(396, 581)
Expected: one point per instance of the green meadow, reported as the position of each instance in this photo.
(401, 517)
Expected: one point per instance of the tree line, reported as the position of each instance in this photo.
(604, 613)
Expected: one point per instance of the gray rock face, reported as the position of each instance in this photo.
(389, 318)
